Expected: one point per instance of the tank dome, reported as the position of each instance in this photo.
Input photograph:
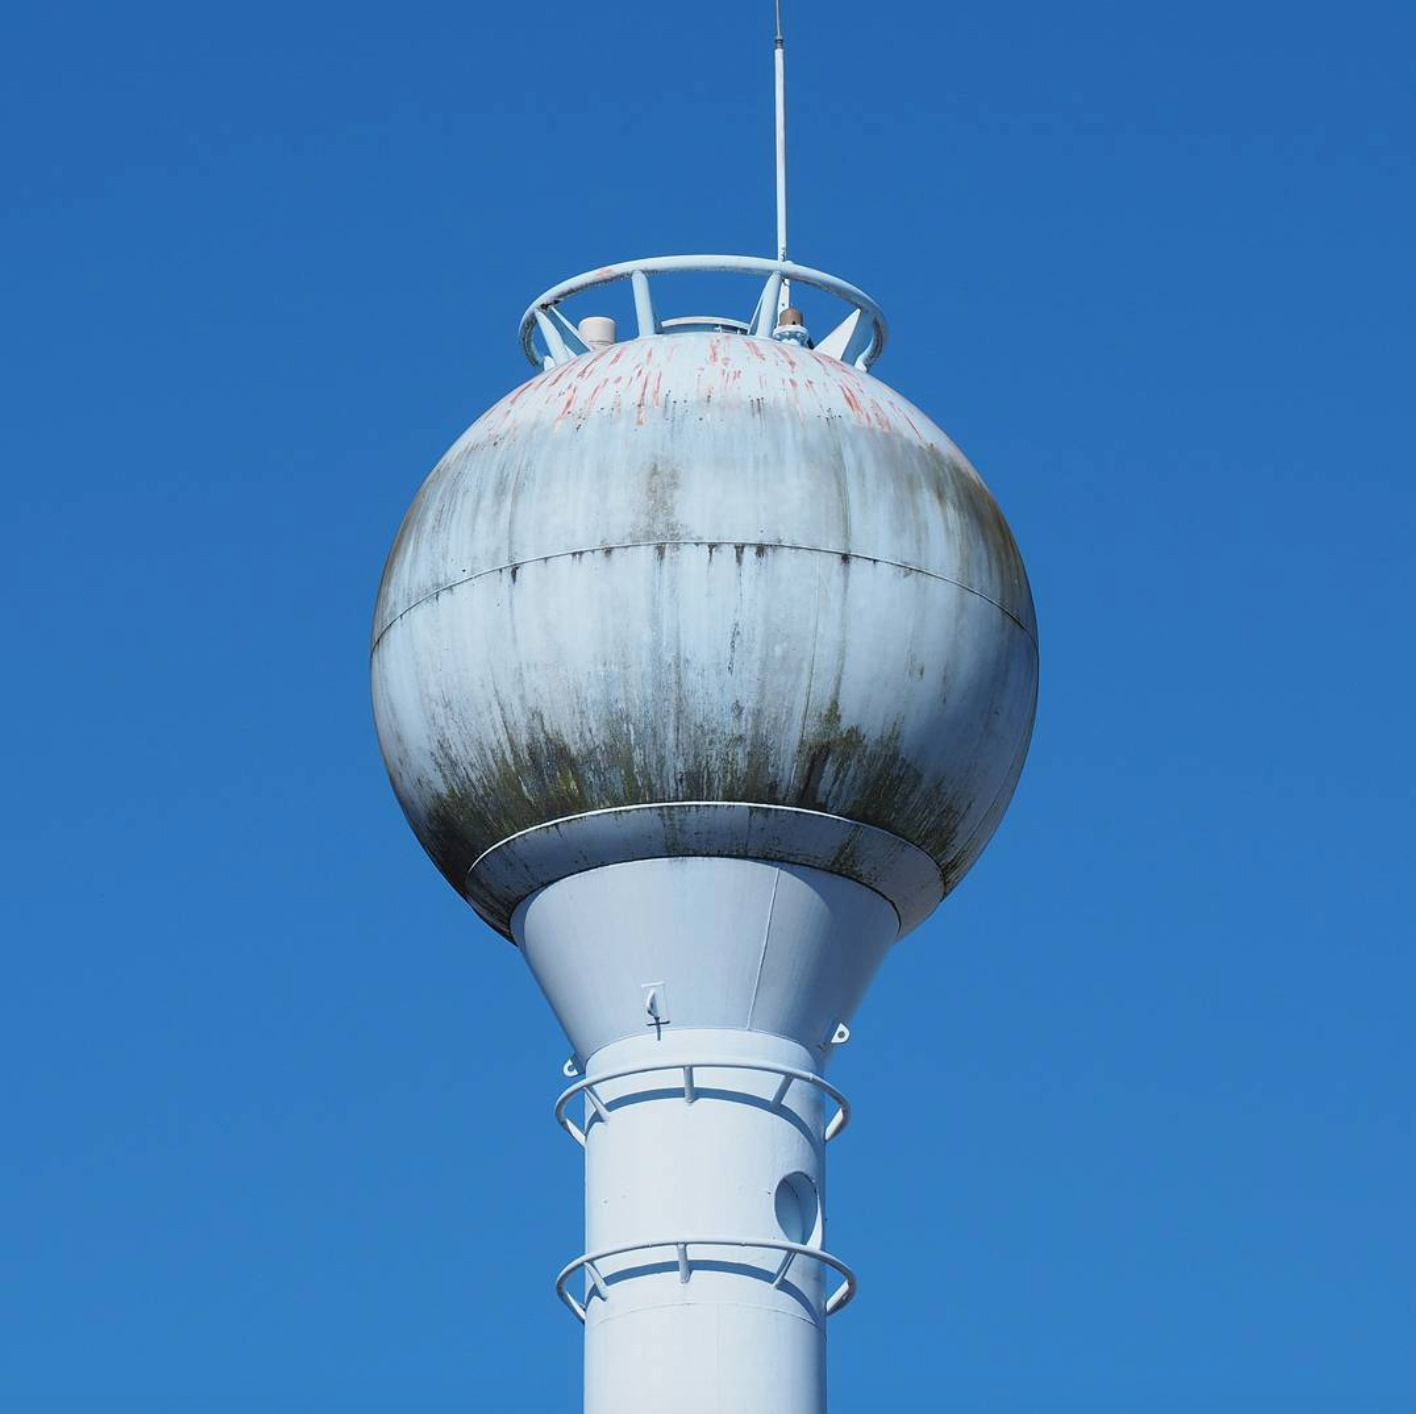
(708, 594)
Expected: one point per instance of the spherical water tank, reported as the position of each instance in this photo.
(704, 593)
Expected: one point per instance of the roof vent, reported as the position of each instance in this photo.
(598, 331)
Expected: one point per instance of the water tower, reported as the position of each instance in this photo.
(704, 666)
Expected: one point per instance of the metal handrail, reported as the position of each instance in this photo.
(788, 1073)
(858, 340)
(838, 1300)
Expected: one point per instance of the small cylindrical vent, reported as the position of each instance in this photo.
(598, 331)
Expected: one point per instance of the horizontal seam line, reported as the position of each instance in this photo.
(898, 840)
(654, 544)
(736, 1305)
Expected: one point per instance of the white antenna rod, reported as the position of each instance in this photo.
(779, 56)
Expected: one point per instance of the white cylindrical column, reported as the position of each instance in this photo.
(691, 1161)
(703, 996)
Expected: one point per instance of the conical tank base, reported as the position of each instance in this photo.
(735, 944)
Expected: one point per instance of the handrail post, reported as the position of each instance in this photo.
(766, 318)
(644, 315)
(783, 1268)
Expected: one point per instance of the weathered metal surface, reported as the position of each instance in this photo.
(708, 567)
(905, 876)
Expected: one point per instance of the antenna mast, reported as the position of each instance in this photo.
(780, 65)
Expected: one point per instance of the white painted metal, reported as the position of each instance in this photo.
(744, 1332)
(710, 1008)
(561, 341)
(686, 1249)
(786, 1075)
(704, 666)
(733, 944)
(598, 331)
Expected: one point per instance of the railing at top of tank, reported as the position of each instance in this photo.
(859, 339)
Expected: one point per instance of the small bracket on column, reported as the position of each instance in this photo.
(656, 1005)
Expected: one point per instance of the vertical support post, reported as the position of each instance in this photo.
(780, 76)
(644, 315)
(783, 1267)
(764, 317)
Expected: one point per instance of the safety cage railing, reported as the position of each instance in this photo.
(858, 340)
(789, 1075)
(689, 1087)
(682, 1248)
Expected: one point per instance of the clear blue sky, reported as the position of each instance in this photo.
(1136, 1111)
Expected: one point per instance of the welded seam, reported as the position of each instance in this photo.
(492, 904)
(775, 1312)
(655, 544)
(762, 956)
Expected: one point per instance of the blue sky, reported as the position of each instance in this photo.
(1134, 1111)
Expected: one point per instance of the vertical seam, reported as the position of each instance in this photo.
(762, 956)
